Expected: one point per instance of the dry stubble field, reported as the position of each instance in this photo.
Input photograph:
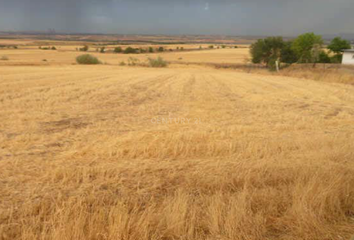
(110, 152)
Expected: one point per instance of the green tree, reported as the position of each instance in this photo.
(267, 50)
(84, 49)
(338, 44)
(287, 54)
(257, 51)
(304, 46)
(118, 50)
(130, 50)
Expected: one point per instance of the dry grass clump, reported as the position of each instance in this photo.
(87, 59)
(4, 58)
(320, 73)
(159, 62)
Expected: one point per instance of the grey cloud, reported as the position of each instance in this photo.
(236, 17)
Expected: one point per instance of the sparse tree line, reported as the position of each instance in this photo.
(131, 50)
(128, 50)
(306, 48)
(47, 48)
(159, 62)
(9, 46)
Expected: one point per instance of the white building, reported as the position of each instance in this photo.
(348, 56)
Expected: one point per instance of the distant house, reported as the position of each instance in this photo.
(348, 56)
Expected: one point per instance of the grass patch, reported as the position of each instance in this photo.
(159, 62)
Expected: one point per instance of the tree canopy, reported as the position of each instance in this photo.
(338, 44)
(304, 46)
(267, 50)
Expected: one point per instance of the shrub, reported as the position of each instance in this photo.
(337, 58)
(4, 58)
(118, 50)
(87, 59)
(223, 46)
(151, 50)
(84, 49)
(102, 50)
(129, 50)
(324, 58)
(54, 48)
(122, 63)
(157, 63)
(211, 46)
(235, 46)
(160, 49)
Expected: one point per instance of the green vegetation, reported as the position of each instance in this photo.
(151, 49)
(102, 50)
(267, 51)
(87, 59)
(287, 54)
(337, 46)
(47, 48)
(130, 50)
(306, 48)
(324, 57)
(211, 47)
(84, 49)
(160, 49)
(159, 62)
(118, 50)
(305, 45)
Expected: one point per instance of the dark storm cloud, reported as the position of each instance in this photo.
(237, 17)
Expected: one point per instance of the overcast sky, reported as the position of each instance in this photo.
(229, 17)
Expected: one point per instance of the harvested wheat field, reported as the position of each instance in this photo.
(130, 153)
